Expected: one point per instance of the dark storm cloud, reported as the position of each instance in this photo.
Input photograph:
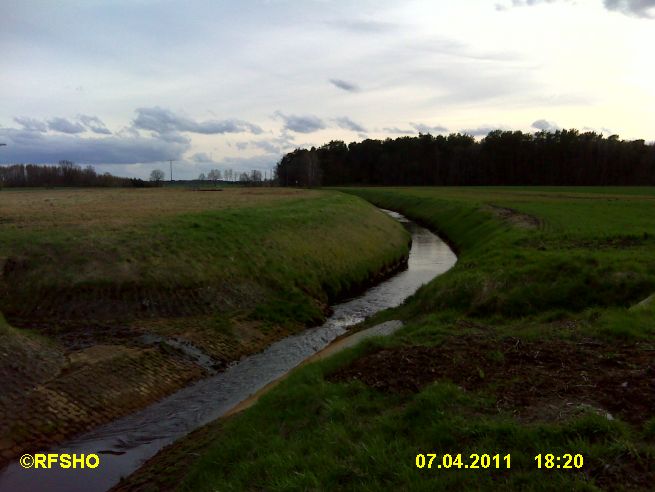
(348, 124)
(638, 8)
(62, 125)
(94, 124)
(30, 146)
(545, 125)
(31, 124)
(301, 124)
(422, 128)
(163, 121)
(344, 85)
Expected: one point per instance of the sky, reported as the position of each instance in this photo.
(126, 85)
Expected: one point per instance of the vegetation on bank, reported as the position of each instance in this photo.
(110, 255)
(534, 343)
(85, 273)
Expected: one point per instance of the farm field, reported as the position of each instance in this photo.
(539, 341)
(90, 276)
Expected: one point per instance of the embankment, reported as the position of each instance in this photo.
(87, 273)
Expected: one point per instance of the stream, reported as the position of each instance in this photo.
(125, 444)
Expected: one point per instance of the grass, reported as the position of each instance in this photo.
(97, 254)
(534, 345)
(85, 272)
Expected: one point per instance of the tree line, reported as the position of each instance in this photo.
(215, 175)
(562, 157)
(252, 178)
(218, 175)
(65, 173)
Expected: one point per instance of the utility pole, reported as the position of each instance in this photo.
(171, 161)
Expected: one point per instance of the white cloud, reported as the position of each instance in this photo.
(94, 124)
(432, 129)
(63, 125)
(344, 85)
(545, 125)
(300, 124)
(31, 124)
(164, 121)
(481, 131)
(348, 124)
(399, 131)
(201, 157)
(637, 8)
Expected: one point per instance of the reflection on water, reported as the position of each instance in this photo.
(126, 443)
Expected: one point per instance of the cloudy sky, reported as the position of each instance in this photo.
(127, 84)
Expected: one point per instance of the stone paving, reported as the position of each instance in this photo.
(52, 390)
(49, 395)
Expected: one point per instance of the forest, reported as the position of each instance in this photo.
(562, 157)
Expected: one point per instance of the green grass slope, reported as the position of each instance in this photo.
(274, 250)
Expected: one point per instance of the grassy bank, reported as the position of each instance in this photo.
(85, 273)
(118, 255)
(537, 342)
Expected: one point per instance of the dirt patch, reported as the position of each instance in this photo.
(534, 380)
(99, 353)
(514, 217)
(624, 471)
(13, 266)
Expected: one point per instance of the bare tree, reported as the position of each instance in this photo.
(214, 175)
(157, 175)
(202, 177)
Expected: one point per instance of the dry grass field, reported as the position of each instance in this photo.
(118, 207)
